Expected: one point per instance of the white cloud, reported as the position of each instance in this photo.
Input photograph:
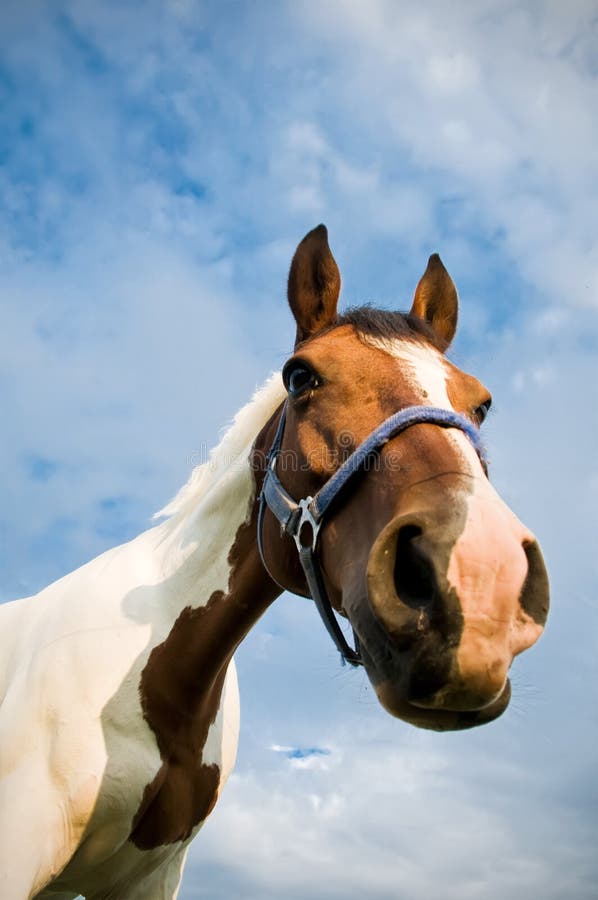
(108, 378)
(400, 821)
(500, 99)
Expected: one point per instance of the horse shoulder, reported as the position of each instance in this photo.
(70, 715)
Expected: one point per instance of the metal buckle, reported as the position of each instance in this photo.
(307, 518)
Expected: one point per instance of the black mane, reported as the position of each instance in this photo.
(386, 324)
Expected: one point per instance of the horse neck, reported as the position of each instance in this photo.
(215, 587)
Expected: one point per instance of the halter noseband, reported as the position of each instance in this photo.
(293, 516)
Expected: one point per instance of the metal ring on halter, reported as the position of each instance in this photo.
(306, 518)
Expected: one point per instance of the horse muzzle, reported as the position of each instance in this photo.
(458, 597)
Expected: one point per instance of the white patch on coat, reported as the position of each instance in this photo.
(223, 736)
(73, 739)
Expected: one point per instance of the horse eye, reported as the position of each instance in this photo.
(482, 410)
(298, 378)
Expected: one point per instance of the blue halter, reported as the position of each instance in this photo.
(295, 516)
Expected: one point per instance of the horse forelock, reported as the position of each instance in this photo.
(371, 322)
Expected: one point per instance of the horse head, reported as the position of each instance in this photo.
(441, 582)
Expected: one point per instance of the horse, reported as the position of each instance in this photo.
(119, 709)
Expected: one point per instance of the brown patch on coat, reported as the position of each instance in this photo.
(181, 693)
(179, 710)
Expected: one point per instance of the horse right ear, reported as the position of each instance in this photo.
(436, 300)
(314, 284)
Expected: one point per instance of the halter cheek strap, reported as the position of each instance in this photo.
(303, 520)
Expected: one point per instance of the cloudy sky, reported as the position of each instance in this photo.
(159, 161)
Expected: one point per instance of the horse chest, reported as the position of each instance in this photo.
(176, 798)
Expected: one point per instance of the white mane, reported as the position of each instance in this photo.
(232, 449)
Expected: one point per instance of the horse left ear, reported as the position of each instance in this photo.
(436, 300)
(314, 284)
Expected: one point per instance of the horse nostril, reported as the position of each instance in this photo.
(414, 575)
(535, 595)
(403, 580)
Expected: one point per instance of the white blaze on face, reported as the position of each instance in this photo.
(425, 373)
(423, 369)
(487, 569)
(488, 565)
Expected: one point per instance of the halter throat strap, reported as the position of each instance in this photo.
(303, 519)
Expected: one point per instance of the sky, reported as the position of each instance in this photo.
(159, 162)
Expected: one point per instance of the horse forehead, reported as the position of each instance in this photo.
(420, 367)
(418, 362)
(390, 371)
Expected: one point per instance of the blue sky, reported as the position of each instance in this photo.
(159, 161)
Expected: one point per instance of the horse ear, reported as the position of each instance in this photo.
(436, 299)
(314, 284)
